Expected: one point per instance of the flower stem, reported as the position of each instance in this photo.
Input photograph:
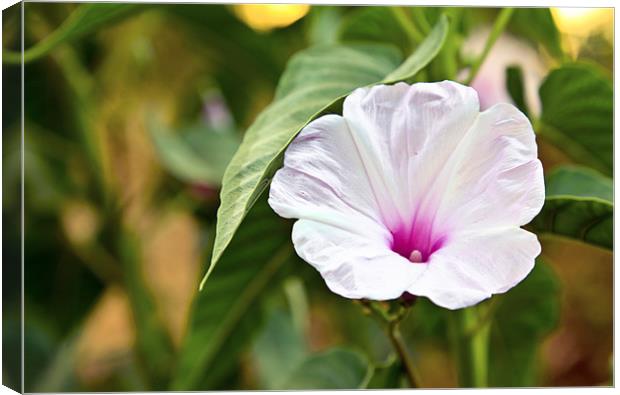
(392, 326)
(498, 27)
(401, 349)
(470, 330)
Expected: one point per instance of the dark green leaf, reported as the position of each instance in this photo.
(224, 315)
(334, 369)
(85, 19)
(525, 315)
(537, 25)
(196, 154)
(374, 24)
(579, 206)
(315, 80)
(577, 114)
(515, 87)
(579, 181)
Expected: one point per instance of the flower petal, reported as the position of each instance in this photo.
(407, 133)
(476, 265)
(352, 266)
(323, 179)
(494, 179)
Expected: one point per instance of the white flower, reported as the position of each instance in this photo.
(414, 190)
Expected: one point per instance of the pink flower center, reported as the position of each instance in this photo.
(417, 241)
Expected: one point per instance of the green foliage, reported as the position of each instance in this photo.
(579, 181)
(332, 369)
(537, 25)
(314, 81)
(577, 114)
(516, 89)
(85, 19)
(388, 375)
(154, 345)
(223, 316)
(578, 205)
(374, 24)
(284, 361)
(524, 316)
(196, 154)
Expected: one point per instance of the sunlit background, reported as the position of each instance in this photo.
(100, 112)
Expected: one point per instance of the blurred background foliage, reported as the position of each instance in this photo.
(132, 113)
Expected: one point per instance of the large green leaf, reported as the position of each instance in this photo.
(85, 19)
(196, 154)
(579, 206)
(315, 80)
(577, 114)
(224, 316)
(526, 313)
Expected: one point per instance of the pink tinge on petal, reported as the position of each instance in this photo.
(417, 241)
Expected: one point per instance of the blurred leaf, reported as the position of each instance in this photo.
(224, 314)
(154, 345)
(196, 154)
(525, 315)
(278, 350)
(516, 89)
(315, 80)
(85, 19)
(577, 114)
(323, 24)
(388, 375)
(578, 205)
(374, 24)
(426, 51)
(537, 25)
(579, 181)
(334, 369)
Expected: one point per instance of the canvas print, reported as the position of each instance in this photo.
(297, 196)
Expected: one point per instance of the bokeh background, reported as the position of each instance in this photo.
(128, 129)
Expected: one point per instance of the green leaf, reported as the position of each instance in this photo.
(374, 24)
(579, 206)
(427, 51)
(85, 19)
(516, 89)
(388, 375)
(537, 25)
(224, 316)
(315, 80)
(278, 350)
(577, 114)
(195, 154)
(579, 181)
(525, 315)
(334, 369)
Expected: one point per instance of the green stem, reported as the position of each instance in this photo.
(498, 27)
(414, 35)
(392, 327)
(401, 349)
(472, 346)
